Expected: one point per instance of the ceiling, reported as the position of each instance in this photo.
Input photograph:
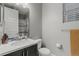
(18, 7)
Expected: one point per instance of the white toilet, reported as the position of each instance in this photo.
(43, 51)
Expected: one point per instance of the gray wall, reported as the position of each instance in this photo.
(1, 33)
(1, 25)
(52, 29)
(35, 20)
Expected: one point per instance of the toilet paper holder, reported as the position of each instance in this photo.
(59, 45)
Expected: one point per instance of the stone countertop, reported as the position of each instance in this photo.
(17, 45)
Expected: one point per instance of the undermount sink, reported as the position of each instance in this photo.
(22, 42)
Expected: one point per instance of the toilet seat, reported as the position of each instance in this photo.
(44, 52)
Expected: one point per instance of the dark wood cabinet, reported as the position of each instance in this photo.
(29, 51)
(16, 53)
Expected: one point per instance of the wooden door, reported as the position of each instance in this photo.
(74, 37)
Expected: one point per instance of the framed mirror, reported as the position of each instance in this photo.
(21, 14)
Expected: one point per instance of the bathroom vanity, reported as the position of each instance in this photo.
(25, 47)
(15, 22)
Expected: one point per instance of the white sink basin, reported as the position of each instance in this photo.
(22, 42)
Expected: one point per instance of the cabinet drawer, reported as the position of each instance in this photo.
(16, 53)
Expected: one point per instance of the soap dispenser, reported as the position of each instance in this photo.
(4, 38)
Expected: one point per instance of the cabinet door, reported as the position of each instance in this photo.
(16, 53)
(11, 22)
(31, 51)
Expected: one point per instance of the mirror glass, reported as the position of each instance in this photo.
(23, 17)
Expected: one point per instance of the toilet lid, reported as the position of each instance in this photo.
(44, 51)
